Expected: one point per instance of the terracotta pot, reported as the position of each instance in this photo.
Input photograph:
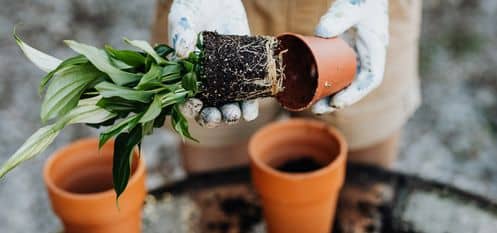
(314, 68)
(298, 202)
(79, 183)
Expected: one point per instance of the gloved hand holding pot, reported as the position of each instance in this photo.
(295, 69)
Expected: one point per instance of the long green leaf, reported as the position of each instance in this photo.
(119, 64)
(171, 78)
(189, 82)
(123, 157)
(132, 58)
(174, 98)
(171, 69)
(101, 61)
(120, 105)
(150, 79)
(86, 112)
(161, 119)
(147, 128)
(42, 60)
(163, 50)
(35, 144)
(153, 110)
(66, 88)
(125, 125)
(147, 48)
(107, 89)
(180, 124)
(79, 59)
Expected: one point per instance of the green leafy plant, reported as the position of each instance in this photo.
(132, 91)
(128, 91)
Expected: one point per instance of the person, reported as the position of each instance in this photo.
(371, 112)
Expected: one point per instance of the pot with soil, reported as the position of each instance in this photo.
(298, 169)
(79, 182)
(297, 70)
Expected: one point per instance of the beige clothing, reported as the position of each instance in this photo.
(368, 122)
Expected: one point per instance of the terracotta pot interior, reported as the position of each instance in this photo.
(300, 73)
(315, 146)
(85, 172)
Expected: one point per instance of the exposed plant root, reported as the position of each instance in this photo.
(236, 68)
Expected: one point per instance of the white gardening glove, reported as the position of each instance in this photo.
(370, 17)
(189, 17)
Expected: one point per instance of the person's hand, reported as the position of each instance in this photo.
(186, 20)
(370, 18)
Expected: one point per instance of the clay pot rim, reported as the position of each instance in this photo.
(315, 61)
(333, 165)
(85, 142)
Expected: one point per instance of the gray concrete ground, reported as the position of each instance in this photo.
(451, 138)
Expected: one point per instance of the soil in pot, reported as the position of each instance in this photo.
(300, 164)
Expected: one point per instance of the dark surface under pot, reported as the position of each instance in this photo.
(372, 200)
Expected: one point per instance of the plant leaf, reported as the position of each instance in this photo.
(132, 58)
(120, 105)
(188, 65)
(147, 48)
(119, 64)
(79, 59)
(147, 128)
(125, 125)
(107, 89)
(86, 112)
(171, 78)
(41, 60)
(35, 144)
(163, 50)
(179, 123)
(189, 82)
(150, 79)
(101, 61)
(153, 110)
(171, 69)
(123, 148)
(194, 57)
(174, 98)
(64, 91)
(161, 119)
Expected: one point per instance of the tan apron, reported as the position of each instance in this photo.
(373, 119)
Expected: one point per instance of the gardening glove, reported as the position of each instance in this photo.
(186, 20)
(370, 18)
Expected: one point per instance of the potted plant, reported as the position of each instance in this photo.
(132, 91)
(298, 168)
(79, 182)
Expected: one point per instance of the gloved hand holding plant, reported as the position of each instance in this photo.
(186, 20)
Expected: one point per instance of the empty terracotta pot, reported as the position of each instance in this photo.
(314, 68)
(298, 202)
(79, 182)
